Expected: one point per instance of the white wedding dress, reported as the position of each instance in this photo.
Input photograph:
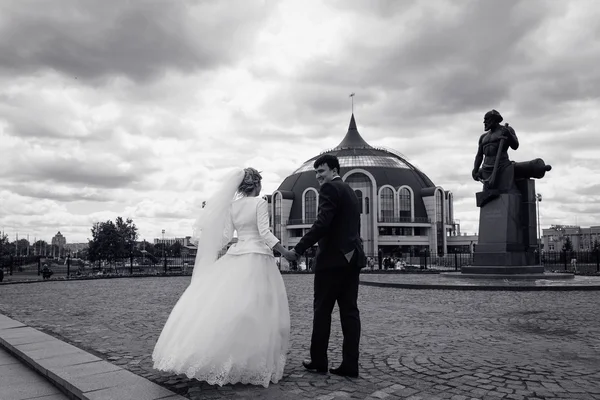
(232, 323)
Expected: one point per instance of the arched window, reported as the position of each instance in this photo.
(367, 205)
(310, 206)
(387, 203)
(277, 218)
(360, 200)
(405, 203)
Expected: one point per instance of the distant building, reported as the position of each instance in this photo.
(170, 241)
(59, 240)
(74, 248)
(583, 239)
(188, 248)
(401, 210)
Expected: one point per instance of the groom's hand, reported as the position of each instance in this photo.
(291, 255)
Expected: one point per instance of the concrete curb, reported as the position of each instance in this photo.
(77, 373)
(423, 286)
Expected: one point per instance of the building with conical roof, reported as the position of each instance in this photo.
(402, 210)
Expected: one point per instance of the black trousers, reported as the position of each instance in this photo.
(331, 285)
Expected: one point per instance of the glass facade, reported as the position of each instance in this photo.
(277, 217)
(405, 202)
(360, 161)
(387, 203)
(360, 200)
(395, 231)
(310, 206)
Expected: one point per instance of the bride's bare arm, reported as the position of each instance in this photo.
(280, 249)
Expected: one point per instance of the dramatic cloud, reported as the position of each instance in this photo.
(90, 40)
(138, 109)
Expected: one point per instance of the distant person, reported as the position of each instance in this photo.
(46, 272)
(232, 323)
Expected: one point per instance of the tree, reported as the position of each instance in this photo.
(127, 232)
(112, 240)
(4, 245)
(54, 250)
(149, 247)
(596, 245)
(21, 246)
(160, 249)
(40, 243)
(568, 245)
(39, 247)
(84, 254)
(175, 249)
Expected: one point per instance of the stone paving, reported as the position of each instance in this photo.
(416, 344)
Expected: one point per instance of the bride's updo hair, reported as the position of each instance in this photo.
(250, 182)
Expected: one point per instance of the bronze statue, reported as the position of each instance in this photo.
(498, 173)
(507, 222)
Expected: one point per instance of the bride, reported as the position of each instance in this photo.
(232, 323)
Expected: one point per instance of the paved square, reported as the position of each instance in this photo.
(416, 344)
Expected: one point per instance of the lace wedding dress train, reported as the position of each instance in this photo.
(232, 324)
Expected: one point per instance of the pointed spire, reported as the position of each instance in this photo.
(352, 126)
(353, 138)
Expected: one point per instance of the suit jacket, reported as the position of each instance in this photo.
(337, 228)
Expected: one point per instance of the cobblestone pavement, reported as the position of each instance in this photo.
(416, 344)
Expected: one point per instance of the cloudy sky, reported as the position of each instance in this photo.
(137, 108)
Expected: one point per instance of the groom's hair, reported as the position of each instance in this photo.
(331, 161)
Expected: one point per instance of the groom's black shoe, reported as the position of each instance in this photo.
(312, 367)
(343, 371)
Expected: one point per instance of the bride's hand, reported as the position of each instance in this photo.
(290, 255)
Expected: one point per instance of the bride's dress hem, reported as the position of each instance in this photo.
(234, 376)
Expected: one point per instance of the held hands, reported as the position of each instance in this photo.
(291, 255)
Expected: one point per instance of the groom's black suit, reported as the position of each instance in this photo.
(339, 258)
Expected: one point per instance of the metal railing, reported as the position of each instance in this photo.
(399, 220)
(27, 268)
(582, 261)
(431, 261)
(37, 267)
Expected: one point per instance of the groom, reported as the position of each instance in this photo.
(339, 258)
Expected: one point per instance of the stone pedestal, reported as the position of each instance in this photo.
(507, 234)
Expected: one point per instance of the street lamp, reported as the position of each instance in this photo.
(131, 253)
(68, 260)
(163, 250)
(538, 198)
